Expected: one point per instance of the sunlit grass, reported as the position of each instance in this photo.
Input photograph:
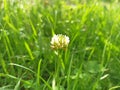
(89, 62)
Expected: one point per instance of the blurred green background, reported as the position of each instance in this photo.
(92, 60)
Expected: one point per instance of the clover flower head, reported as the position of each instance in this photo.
(59, 41)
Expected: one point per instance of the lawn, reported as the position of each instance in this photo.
(89, 60)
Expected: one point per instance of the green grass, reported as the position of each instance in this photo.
(92, 60)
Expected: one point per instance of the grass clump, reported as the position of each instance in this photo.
(89, 62)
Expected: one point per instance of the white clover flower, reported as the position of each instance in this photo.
(59, 41)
